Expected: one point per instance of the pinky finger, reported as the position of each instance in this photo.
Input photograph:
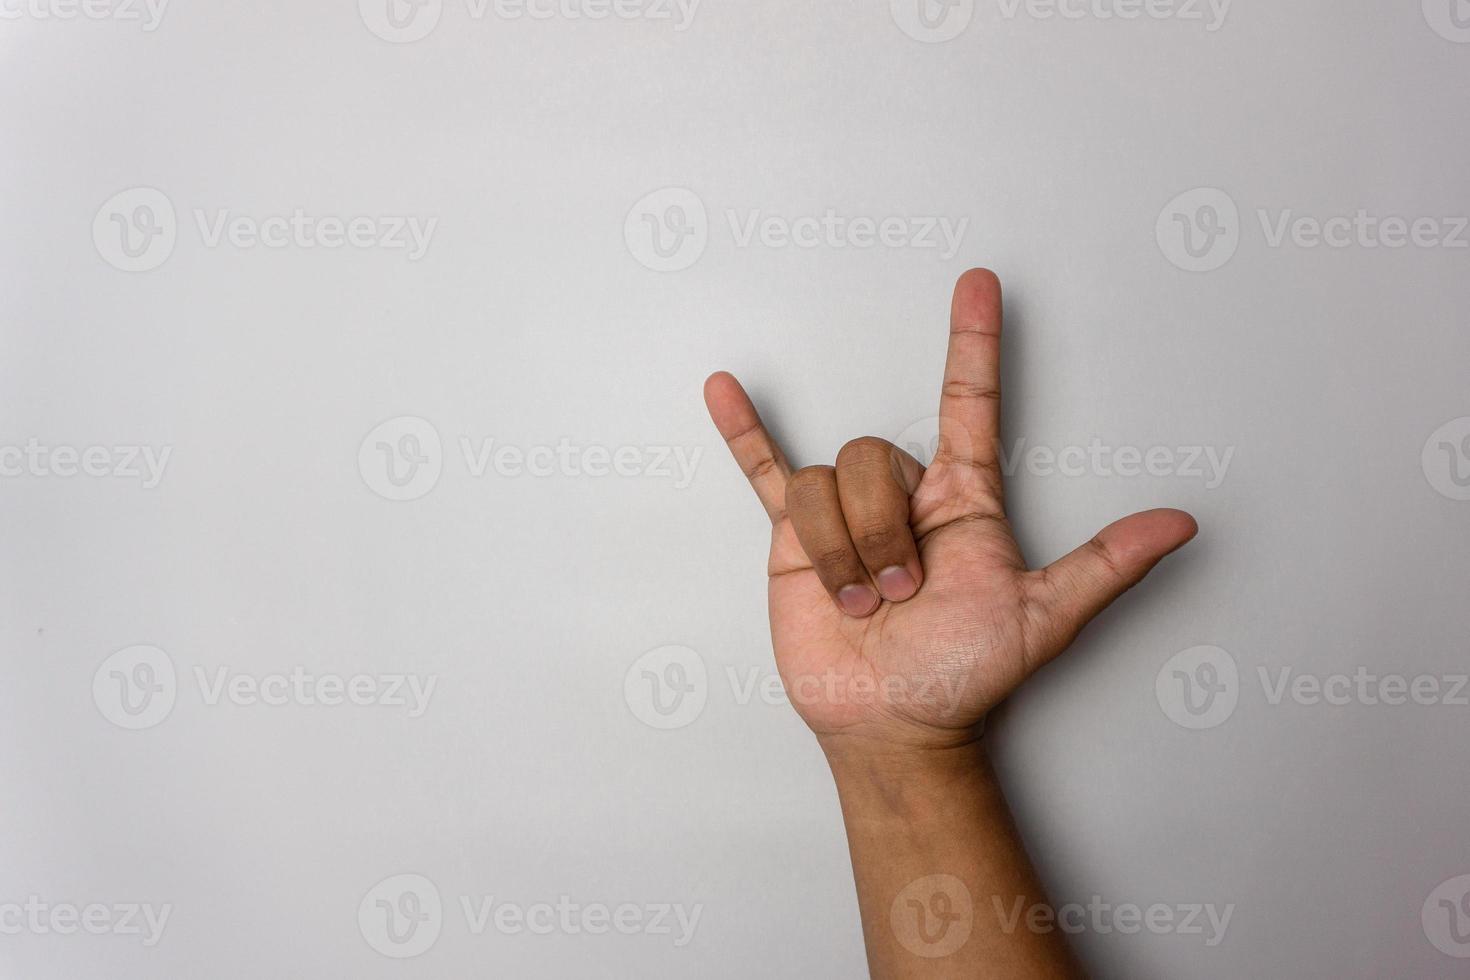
(756, 453)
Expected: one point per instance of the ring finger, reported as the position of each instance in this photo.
(815, 509)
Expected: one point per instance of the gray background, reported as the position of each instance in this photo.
(531, 320)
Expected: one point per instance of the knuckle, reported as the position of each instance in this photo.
(808, 484)
(875, 537)
(832, 556)
(1107, 565)
(760, 467)
(865, 451)
(971, 389)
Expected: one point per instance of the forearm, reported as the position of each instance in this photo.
(904, 590)
(944, 884)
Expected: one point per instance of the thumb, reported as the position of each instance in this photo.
(1068, 593)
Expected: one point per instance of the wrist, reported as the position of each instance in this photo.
(884, 779)
(902, 756)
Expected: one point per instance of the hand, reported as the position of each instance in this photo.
(901, 608)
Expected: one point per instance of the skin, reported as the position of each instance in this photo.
(901, 613)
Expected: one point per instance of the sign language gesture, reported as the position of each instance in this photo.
(901, 608)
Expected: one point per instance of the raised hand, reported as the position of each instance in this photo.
(901, 608)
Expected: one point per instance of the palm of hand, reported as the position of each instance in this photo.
(930, 667)
(924, 671)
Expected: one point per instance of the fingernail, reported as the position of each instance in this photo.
(857, 600)
(896, 583)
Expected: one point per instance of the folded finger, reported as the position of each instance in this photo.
(874, 481)
(815, 509)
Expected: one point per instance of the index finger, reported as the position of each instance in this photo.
(757, 454)
(969, 405)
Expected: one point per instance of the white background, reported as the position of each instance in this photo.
(531, 320)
